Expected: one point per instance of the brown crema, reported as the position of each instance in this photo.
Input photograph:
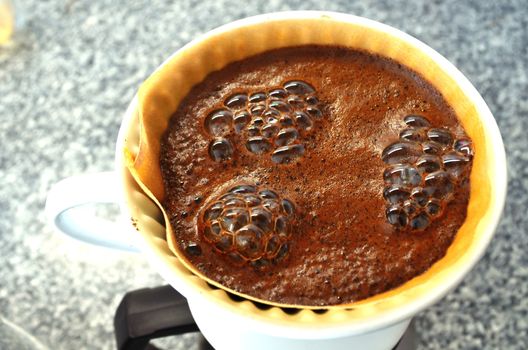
(342, 247)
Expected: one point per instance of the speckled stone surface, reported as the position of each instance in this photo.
(67, 79)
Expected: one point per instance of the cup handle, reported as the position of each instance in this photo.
(64, 210)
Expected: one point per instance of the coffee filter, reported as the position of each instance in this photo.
(160, 94)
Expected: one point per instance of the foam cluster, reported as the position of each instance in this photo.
(426, 165)
(251, 225)
(271, 121)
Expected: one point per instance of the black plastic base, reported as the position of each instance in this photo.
(152, 313)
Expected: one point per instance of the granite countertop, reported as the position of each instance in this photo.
(67, 78)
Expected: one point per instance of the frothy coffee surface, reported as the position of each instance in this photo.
(306, 194)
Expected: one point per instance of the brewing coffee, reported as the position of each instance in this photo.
(314, 175)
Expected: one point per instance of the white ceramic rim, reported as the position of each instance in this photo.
(369, 323)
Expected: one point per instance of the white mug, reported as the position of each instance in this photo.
(241, 324)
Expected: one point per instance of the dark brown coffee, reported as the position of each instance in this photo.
(314, 175)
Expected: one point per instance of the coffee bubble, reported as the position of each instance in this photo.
(272, 247)
(418, 135)
(278, 93)
(271, 205)
(234, 218)
(225, 243)
(434, 208)
(276, 121)
(273, 120)
(314, 112)
(464, 147)
(283, 252)
(312, 100)
(253, 130)
(220, 150)
(286, 154)
(258, 97)
(252, 201)
(237, 101)
(401, 152)
(234, 202)
(396, 216)
(419, 196)
(439, 185)
(253, 225)
(260, 264)
(258, 145)
(209, 235)
(243, 189)
(396, 194)
(257, 110)
(428, 164)
(213, 232)
(455, 164)
(440, 136)
(303, 120)
(402, 174)
(431, 148)
(286, 136)
(281, 226)
(272, 116)
(226, 197)
(268, 194)
(288, 207)
(280, 106)
(298, 87)
(410, 207)
(262, 218)
(286, 121)
(240, 120)
(416, 121)
(218, 123)
(193, 249)
(257, 121)
(269, 130)
(296, 102)
(419, 222)
(214, 211)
